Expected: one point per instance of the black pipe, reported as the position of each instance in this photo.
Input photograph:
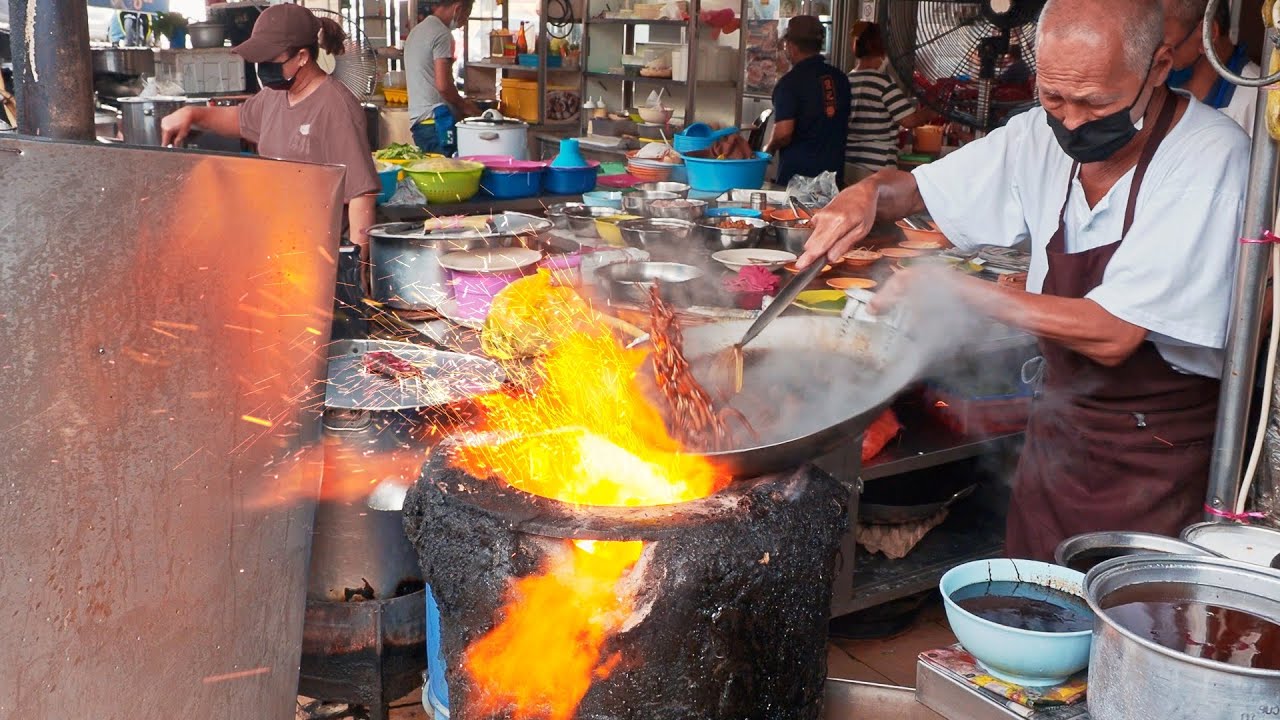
(52, 68)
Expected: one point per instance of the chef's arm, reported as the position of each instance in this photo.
(360, 216)
(1079, 324)
(175, 126)
(890, 194)
(783, 132)
(449, 91)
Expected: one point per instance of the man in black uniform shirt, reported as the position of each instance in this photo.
(810, 106)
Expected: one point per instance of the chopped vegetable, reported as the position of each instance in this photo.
(399, 151)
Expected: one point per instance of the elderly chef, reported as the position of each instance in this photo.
(1130, 198)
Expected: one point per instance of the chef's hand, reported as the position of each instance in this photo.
(908, 282)
(840, 225)
(175, 127)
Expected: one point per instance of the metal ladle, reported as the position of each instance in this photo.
(781, 302)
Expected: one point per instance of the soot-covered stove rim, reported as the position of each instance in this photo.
(538, 515)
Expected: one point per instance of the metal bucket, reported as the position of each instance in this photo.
(1132, 678)
(141, 117)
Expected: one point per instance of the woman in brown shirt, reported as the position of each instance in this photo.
(302, 114)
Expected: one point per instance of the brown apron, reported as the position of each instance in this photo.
(1109, 448)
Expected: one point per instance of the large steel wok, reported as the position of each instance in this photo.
(810, 384)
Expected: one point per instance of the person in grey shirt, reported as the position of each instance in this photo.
(434, 101)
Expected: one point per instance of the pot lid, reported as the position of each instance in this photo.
(442, 378)
(490, 261)
(1245, 543)
(491, 119)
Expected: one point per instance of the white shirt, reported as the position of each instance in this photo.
(428, 41)
(1173, 274)
(1244, 101)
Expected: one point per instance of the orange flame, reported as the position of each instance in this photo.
(583, 432)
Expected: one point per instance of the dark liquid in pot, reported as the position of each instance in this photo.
(1155, 612)
(1025, 605)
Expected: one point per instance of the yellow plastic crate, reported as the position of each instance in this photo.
(396, 96)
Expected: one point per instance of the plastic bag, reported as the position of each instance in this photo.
(157, 87)
(407, 193)
(815, 192)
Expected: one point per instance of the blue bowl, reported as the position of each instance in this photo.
(733, 212)
(570, 180)
(708, 175)
(389, 178)
(603, 198)
(509, 185)
(1022, 657)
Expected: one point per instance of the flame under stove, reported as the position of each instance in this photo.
(732, 598)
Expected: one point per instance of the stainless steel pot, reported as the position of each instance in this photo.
(1247, 543)
(124, 61)
(719, 238)
(106, 123)
(406, 264)
(558, 214)
(679, 209)
(655, 231)
(1082, 552)
(793, 234)
(680, 189)
(633, 281)
(1132, 678)
(207, 34)
(582, 219)
(142, 116)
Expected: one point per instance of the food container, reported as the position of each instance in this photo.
(1084, 552)
(637, 202)
(860, 258)
(933, 238)
(678, 208)
(655, 115)
(493, 134)
(565, 269)
(389, 176)
(646, 233)
(582, 218)
(719, 238)
(510, 184)
(632, 281)
(444, 180)
(607, 228)
(753, 257)
(680, 190)
(477, 276)
(793, 234)
(1175, 684)
(571, 180)
(1023, 657)
(140, 117)
(709, 175)
(1246, 543)
(559, 217)
(928, 140)
(207, 34)
(603, 198)
(406, 263)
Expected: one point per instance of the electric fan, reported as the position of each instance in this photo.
(972, 61)
(357, 66)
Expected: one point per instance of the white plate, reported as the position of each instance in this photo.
(449, 311)
(495, 260)
(757, 257)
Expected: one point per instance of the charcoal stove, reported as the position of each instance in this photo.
(734, 589)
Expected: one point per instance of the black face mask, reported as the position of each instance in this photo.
(271, 75)
(1099, 139)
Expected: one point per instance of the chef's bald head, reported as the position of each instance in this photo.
(1131, 30)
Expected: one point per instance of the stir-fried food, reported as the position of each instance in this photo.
(695, 421)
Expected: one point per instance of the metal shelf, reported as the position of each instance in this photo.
(660, 81)
(636, 21)
(486, 65)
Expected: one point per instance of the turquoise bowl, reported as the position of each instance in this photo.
(1023, 657)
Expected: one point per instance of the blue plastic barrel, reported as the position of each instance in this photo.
(436, 699)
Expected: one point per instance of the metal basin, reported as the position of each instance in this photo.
(679, 209)
(645, 234)
(1173, 684)
(1247, 543)
(637, 203)
(582, 219)
(633, 281)
(680, 189)
(793, 234)
(719, 238)
(406, 263)
(1082, 552)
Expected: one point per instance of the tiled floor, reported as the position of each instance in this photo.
(891, 661)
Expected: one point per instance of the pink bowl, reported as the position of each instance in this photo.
(506, 162)
(565, 269)
(474, 292)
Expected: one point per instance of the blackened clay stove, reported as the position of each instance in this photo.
(735, 589)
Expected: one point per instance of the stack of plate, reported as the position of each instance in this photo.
(649, 170)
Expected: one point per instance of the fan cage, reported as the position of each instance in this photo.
(936, 47)
(357, 67)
